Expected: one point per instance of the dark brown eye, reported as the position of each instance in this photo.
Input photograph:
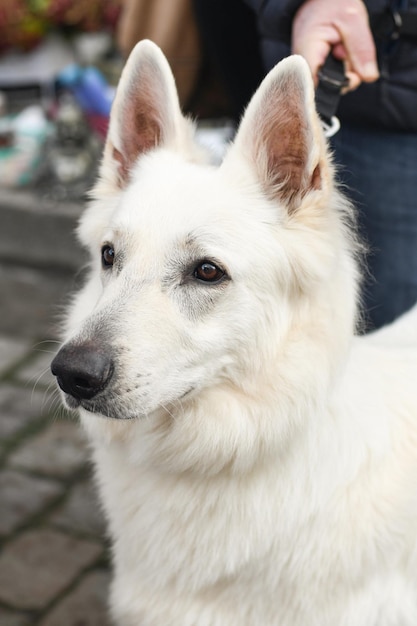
(208, 272)
(107, 256)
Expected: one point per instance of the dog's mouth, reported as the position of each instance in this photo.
(103, 408)
(97, 407)
(71, 402)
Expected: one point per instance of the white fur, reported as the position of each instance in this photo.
(282, 489)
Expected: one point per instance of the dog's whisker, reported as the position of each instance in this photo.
(170, 413)
(35, 379)
(36, 346)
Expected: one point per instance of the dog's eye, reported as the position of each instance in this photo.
(208, 272)
(107, 256)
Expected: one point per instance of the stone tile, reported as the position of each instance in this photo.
(58, 451)
(11, 350)
(40, 564)
(34, 297)
(81, 512)
(18, 408)
(85, 606)
(12, 618)
(22, 496)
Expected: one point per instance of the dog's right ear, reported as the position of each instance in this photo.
(145, 113)
(280, 135)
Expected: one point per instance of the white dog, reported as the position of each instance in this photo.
(256, 461)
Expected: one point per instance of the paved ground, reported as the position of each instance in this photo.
(54, 565)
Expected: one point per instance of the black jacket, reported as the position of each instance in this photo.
(389, 103)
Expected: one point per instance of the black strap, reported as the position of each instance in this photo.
(332, 79)
(387, 25)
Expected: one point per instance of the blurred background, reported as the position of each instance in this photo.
(60, 61)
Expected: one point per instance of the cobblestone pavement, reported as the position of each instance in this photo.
(54, 565)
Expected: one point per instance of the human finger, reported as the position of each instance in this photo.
(357, 40)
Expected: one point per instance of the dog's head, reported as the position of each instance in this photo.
(205, 279)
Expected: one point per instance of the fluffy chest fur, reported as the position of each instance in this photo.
(244, 548)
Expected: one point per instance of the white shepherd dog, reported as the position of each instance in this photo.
(257, 462)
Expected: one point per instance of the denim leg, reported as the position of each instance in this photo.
(380, 171)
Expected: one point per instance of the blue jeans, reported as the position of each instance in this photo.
(380, 171)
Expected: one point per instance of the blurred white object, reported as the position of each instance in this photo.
(19, 162)
(91, 47)
(215, 137)
(38, 67)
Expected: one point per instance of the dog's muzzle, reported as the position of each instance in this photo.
(82, 370)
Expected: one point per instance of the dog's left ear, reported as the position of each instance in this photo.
(280, 134)
(145, 113)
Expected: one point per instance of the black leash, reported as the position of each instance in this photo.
(389, 25)
(332, 80)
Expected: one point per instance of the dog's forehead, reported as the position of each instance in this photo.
(169, 198)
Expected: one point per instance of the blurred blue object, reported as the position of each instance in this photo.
(89, 87)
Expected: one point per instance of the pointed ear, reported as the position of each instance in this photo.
(280, 134)
(145, 113)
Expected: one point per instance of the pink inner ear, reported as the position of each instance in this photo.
(316, 178)
(142, 130)
(282, 142)
(283, 136)
(142, 118)
(123, 169)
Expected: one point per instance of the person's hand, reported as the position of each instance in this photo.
(341, 26)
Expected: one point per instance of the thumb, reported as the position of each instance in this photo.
(340, 25)
(360, 56)
(359, 46)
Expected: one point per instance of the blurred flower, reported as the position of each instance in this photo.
(23, 23)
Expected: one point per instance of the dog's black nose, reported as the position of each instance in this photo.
(82, 370)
